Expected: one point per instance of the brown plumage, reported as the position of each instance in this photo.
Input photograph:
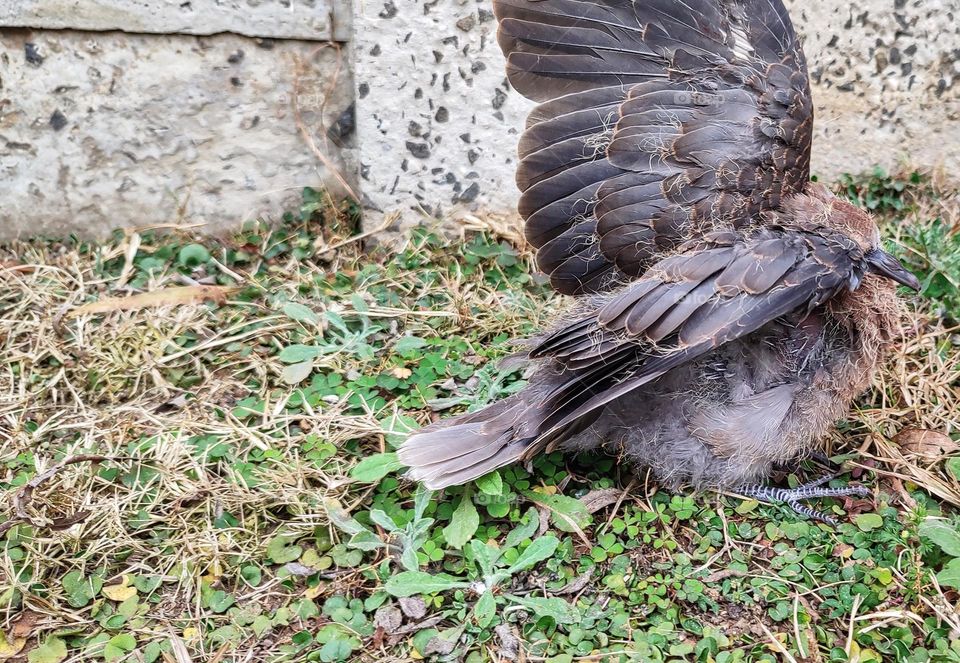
(729, 309)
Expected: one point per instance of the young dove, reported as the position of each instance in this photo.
(728, 310)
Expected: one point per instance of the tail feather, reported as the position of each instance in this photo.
(464, 443)
(454, 451)
(464, 448)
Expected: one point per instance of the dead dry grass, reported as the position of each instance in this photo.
(89, 399)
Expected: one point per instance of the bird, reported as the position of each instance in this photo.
(726, 309)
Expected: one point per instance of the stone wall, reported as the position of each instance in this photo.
(134, 112)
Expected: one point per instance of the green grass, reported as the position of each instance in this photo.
(931, 247)
(248, 504)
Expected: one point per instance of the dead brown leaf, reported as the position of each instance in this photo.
(902, 491)
(193, 294)
(22, 499)
(600, 499)
(509, 641)
(560, 515)
(575, 585)
(10, 265)
(399, 634)
(413, 607)
(723, 574)
(23, 626)
(926, 445)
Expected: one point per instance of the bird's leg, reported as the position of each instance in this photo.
(793, 496)
(817, 457)
(816, 483)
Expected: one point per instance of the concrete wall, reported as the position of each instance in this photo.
(129, 112)
(437, 122)
(886, 82)
(278, 19)
(885, 87)
(103, 125)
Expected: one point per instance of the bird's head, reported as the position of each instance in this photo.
(861, 226)
(822, 207)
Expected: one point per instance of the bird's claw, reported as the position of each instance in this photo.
(793, 497)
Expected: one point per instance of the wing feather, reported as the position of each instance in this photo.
(658, 119)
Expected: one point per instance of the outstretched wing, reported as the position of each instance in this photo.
(658, 118)
(718, 289)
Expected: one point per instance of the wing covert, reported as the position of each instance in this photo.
(719, 288)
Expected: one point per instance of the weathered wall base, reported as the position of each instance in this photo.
(310, 20)
(886, 83)
(100, 130)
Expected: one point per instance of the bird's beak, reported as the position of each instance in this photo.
(884, 264)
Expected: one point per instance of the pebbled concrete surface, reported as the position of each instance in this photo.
(886, 82)
(287, 19)
(99, 130)
(437, 123)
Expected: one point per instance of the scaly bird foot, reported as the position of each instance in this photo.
(793, 496)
